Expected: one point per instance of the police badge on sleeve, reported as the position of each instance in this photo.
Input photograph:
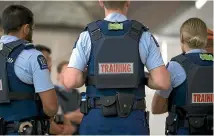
(42, 62)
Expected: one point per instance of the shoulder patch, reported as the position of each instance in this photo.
(1, 46)
(42, 62)
(155, 41)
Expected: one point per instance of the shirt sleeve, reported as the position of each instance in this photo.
(81, 52)
(177, 76)
(41, 76)
(150, 52)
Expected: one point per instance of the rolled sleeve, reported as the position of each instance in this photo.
(41, 76)
(150, 52)
(177, 77)
(81, 52)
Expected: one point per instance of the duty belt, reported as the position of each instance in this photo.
(119, 105)
(97, 103)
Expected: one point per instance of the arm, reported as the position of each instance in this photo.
(159, 104)
(160, 99)
(159, 78)
(150, 55)
(74, 75)
(49, 102)
(74, 78)
(43, 84)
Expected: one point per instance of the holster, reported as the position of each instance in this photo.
(171, 124)
(37, 127)
(2, 126)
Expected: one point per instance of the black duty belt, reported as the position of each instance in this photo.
(96, 103)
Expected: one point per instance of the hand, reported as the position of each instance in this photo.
(55, 129)
(68, 130)
(74, 116)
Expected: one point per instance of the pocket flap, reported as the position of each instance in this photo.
(108, 100)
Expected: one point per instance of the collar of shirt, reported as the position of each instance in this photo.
(115, 17)
(8, 38)
(196, 51)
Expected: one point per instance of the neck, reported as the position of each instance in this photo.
(109, 11)
(16, 35)
(209, 50)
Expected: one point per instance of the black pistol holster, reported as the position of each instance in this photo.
(2, 126)
(172, 120)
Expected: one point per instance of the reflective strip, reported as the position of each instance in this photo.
(116, 68)
(1, 46)
(1, 85)
(202, 97)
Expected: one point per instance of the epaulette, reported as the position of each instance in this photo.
(145, 28)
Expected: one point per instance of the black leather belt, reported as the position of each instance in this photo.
(138, 104)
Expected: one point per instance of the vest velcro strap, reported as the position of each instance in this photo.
(136, 30)
(6, 51)
(94, 31)
(14, 96)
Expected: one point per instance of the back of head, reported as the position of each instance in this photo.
(194, 33)
(61, 65)
(14, 16)
(115, 5)
(42, 48)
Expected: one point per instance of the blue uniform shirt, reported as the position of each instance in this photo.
(149, 50)
(177, 75)
(27, 68)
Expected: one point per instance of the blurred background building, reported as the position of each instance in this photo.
(58, 24)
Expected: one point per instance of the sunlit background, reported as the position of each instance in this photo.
(58, 25)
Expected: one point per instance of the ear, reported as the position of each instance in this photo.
(101, 3)
(181, 38)
(26, 29)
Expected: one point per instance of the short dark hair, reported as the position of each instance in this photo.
(60, 66)
(14, 16)
(41, 48)
(114, 4)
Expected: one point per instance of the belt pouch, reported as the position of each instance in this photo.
(109, 106)
(197, 125)
(125, 102)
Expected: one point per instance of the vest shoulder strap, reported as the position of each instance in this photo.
(137, 29)
(9, 47)
(94, 31)
(184, 62)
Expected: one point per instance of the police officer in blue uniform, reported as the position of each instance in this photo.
(189, 100)
(114, 51)
(27, 95)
